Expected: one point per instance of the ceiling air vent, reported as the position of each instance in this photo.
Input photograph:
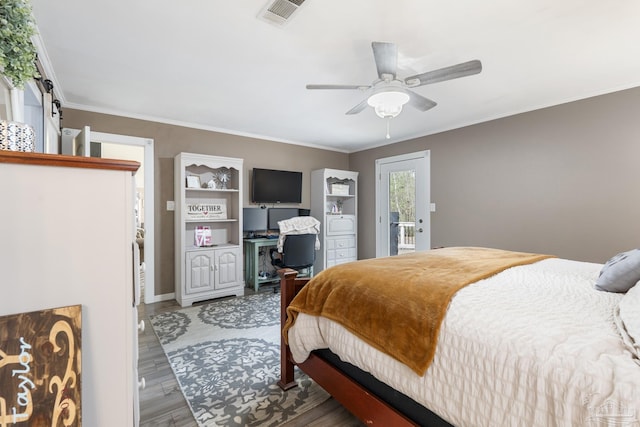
(279, 12)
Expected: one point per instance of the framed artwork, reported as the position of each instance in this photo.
(193, 181)
(40, 368)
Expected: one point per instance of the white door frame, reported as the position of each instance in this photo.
(149, 203)
(423, 212)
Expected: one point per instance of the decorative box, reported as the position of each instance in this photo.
(202, 236)
(15, 136)
(340, 189)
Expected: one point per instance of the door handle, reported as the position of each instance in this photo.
(419, 230)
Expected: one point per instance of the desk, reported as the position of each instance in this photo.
(252, 259)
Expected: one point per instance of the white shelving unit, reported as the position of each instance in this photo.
(334, 202)
(208, 194)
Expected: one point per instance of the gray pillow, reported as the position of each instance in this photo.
(620, 273)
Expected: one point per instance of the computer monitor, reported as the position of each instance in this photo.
(254, 220)
(279, 214)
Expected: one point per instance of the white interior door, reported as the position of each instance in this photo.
(402, 204)
(145, 174)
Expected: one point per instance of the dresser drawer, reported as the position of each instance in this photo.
(341, 224)
(336, 261)
(341, 242)
(336, 254)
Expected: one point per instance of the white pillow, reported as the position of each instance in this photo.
(627, 317)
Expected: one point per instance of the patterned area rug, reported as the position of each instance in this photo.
(226, 357)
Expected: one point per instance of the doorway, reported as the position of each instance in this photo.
(403, 198)
(86, 141)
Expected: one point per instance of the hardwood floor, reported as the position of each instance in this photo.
(162, 403)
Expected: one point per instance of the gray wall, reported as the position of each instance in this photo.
(563, 180)
(170, 140)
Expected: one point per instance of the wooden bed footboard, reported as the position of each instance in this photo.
(290, 285)
(353, 396)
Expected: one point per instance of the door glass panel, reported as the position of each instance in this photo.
(402, 211)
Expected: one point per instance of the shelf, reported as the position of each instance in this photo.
(334, 202)
(211, 220)
(204, 248)
(204, 272)
(213, 190)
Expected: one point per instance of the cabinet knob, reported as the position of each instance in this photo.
(141, 326)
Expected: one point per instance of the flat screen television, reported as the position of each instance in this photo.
(276, 186)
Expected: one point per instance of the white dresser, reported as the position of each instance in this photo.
(67, 234)
(334, 202)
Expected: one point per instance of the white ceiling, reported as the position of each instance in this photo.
(214, 65)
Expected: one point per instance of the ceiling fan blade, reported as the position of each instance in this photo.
(386, 56)
(361, 87)
(446, 73)
(419, 102)
(359, 107)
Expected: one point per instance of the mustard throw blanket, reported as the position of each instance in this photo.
(397, 304)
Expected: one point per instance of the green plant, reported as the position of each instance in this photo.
(17, 52)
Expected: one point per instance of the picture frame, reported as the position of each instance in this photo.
(193, 181)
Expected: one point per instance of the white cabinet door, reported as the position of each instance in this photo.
(209, 270)
(341, 224)
(199, 269)
(228, 267)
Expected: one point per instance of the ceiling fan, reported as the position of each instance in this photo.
(388, 93)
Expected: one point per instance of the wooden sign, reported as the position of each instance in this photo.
(40, 368)
(204, 211)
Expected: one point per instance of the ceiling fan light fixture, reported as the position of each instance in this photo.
(388, 103)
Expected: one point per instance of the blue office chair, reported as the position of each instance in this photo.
(298, 253)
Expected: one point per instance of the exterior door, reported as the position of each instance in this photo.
(402, 204)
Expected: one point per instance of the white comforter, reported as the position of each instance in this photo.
(535, 345)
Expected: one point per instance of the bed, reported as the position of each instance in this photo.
(530, 341)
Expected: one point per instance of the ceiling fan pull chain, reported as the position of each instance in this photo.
(388, 121)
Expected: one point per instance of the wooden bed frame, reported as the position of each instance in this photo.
(354, 397)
